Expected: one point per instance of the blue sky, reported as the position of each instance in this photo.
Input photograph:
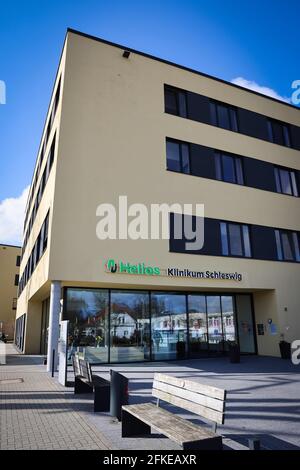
(258, 41)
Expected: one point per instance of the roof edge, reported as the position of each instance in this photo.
(183, 67)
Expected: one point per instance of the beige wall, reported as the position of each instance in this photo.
(112, 142)
(8, 290)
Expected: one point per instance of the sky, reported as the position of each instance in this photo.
(254, 44)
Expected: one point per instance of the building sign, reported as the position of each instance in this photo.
(122, 267)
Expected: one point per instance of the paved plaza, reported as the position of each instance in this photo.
(37, 413)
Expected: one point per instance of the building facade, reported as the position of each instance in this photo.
(123, 123)
(10, 258)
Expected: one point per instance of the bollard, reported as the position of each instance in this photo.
(254, 444)
(118, 393)
(53, 362)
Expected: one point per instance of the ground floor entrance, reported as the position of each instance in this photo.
(113, 326)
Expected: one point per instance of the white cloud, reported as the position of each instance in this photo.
(12, 212)
(251, 85)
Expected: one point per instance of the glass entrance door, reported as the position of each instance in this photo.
(169, 326)
(198, 333)
(245, 324)
(211, 324)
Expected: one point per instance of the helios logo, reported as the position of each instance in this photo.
(295, 347)
(128, 268)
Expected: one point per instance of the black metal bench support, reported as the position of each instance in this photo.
(132, 426)
(81, 386)
(102, 398)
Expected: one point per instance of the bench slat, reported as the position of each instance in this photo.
(172, 426)
(191, 385)
(200, 410)
(76, 365)
(86, 371)
(212, 403)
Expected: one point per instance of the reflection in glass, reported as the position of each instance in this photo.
(197, 325)
(228, 318)
(129, 326)
(235, 240)
(87, 312)
(214, 317)
(169, 326)
(173, 156)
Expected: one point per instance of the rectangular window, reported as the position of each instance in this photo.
(285, 181)
(279, 133)
(16, 279)
(175, 102)
(18, 261)
(223, 115)
(228, 168)
(45, 237)
(235, 239)
(178, 156)
(287, 243)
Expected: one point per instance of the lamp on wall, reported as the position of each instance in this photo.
(126, 54)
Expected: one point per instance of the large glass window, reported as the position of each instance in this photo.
(169, 326)
(235, 239)
(178, 158)
(87, 312)
(115, 326)
(285, 181)
(129, 326)
(228, 168)
(223, 115)
(287, 243)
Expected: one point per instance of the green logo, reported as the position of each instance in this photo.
(128, 268)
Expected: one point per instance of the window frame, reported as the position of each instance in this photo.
(180, 145)
(232, 115)
(245, 239)
(293, 236)
(285, 132)
(278, 181)
(219, 167)
(181, 108)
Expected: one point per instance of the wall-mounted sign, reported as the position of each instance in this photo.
(122, 267)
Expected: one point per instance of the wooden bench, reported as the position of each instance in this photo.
(203, 400)
(86, 382)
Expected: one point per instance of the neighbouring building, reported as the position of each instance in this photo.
(10, 257)
(121, 122)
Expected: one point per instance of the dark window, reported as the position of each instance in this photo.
(286, 182)
(18, 261)
(56, 101)
(228, 168)
(235, 239)
(279, 133)
(16, 279)
(178, 156)
(175, 102)
(223, 115)
(45, 235)
(14, 304)
(287, 243)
